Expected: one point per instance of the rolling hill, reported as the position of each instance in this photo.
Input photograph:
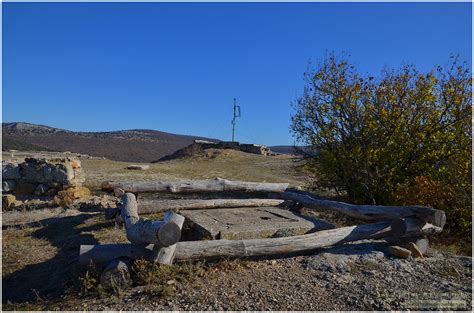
(136, 145)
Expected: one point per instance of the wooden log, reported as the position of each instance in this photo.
(212, 185)
(165, 255)
(253, 247)
(155, 206)
(161, 205)
(241, 248)
(368, 212)
(107, 252)
(116, 275)
(406, 227)
(142, 231)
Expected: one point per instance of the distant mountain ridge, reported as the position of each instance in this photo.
(135, 145)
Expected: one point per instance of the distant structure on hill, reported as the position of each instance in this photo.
(199, 146)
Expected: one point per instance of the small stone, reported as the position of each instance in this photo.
(75, 164)
(67, 197)
(415, 251)
(41, 189)
(399, 252)
(10, 170)
(8, 185)
(8, 200)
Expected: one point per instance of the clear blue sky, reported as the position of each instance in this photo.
(177, 67)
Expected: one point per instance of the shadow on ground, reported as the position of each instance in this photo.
(48, 280)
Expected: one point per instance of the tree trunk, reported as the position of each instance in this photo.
(141, 231)
(213, 185)
(165, 255)
(154, 206)
(368, 212)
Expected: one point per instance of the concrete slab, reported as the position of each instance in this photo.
(251, 223)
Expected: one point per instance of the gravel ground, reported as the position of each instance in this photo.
(359, 276)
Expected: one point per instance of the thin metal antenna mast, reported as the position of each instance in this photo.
(236, 114)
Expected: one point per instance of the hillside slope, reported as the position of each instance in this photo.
(137, 145)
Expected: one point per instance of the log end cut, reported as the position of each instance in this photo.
(169, 234)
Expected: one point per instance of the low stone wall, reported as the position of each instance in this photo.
(41, 176)
(234, 145)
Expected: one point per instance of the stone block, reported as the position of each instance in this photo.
(7, 201)
(25, 188)
(251, 223)
(66, 197)
(8, 185)
(41, 189)
(399, 252)
(10, 171)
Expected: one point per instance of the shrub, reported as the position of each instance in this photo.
(403, 137)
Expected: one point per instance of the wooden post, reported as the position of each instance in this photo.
(165, 255)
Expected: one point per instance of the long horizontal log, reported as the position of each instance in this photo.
(142, 231)
(212, 185)
(368, 212)
(155, 206)
(253, 247)
(146, 206)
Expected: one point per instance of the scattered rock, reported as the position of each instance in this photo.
(41, 189)
(68, 196)
(399, 252)
(8, 201)
(99, 203)
(415, 251)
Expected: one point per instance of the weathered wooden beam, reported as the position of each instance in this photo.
(107, 252)
(153, 206)
(241, 248)
(165, 255)
(253, 247)
(212, 185)
(142, 231)
(146, 206)
(368, 212)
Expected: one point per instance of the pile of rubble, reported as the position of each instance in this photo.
(61, 178)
